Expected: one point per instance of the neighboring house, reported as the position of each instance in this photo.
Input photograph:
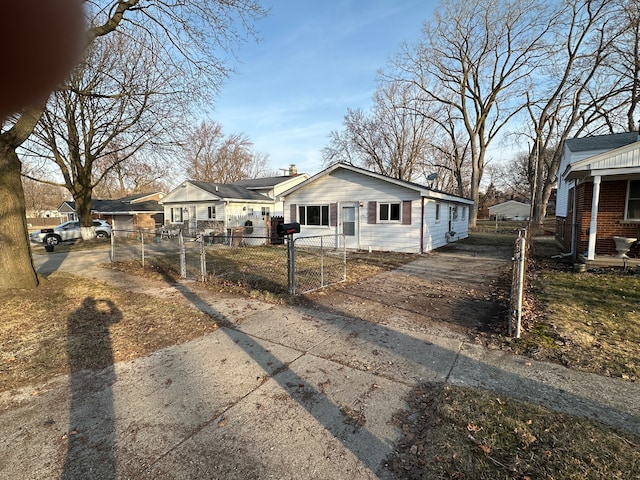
(376, 212)
(218, 207)
(273, 187)
(510, 210)
(133, 212)
(599, 194)
(213, 207)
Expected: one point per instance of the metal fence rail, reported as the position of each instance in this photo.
(296, 266)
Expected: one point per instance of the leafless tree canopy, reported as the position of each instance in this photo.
(541, 71)
(392, 139)
(210, 156)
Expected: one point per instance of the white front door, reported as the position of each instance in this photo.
(193, 221)
(349, 221)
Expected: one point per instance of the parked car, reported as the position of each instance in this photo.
(68, 231)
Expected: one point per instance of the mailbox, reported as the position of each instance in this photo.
(287, 228)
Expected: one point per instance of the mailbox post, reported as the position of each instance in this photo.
(288, 229)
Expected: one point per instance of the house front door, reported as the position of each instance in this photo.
(193, 221)
(350, 226)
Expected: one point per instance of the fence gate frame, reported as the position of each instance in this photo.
(323, 244)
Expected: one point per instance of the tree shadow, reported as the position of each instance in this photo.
(91, 438)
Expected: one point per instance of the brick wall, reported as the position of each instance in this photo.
(613, 195)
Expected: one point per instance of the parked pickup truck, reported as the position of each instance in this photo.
(68, 231)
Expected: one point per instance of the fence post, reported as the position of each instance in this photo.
(203, 260)
(291, 264)
(142, 246)
(520, 281)
(183, 256)
(112, 253)
(322, 261)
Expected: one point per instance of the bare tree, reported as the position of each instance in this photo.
(41, 196)
(477, 59)
(391, 139)
(573, 92)
(210, 156)
(137, 175)
(116, 104)
(188, 34)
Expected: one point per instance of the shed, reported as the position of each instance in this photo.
(510, 210)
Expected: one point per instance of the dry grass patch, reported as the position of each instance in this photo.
(260, 272)
(591, 321)
(464, 433)
(68, 316)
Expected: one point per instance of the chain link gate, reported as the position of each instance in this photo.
(316, 262)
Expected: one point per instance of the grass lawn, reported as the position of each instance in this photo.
(40, 327)
(464, 433)
(589, 321)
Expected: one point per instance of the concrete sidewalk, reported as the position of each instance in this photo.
(277, 392)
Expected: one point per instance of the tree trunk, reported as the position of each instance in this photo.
(83, 209)
(17, 270)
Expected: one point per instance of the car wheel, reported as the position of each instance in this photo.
(102, 235)
(52, 240)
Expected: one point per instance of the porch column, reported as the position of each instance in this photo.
(593, 227)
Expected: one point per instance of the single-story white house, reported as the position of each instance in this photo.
(510, 210)
(376, 212)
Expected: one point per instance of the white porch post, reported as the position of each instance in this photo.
(593, 227)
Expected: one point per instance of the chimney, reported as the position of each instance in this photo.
(293, 170)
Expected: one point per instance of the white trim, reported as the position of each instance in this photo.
(593, 225)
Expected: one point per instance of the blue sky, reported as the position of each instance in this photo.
(315, 59)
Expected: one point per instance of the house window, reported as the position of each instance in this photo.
(211, 212)
(176, 215)
(250, 211)
(313, 215)
(389, 212)
(437, 213)
(265, 211)
(455, 213)
(633, 200)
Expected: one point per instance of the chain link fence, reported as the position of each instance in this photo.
(295, 266)
(318, 261)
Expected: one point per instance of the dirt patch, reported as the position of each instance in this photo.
(459, 290)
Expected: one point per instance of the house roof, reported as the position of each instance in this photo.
(624, 160)
(265, 182)
(423, 190)
(601, 142)
(120, 206)
(230, 191)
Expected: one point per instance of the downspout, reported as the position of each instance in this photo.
(574, 219)
(422, 227)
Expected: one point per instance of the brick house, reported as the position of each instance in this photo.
(599, 194)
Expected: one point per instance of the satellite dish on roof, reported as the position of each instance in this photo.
(431, 177)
